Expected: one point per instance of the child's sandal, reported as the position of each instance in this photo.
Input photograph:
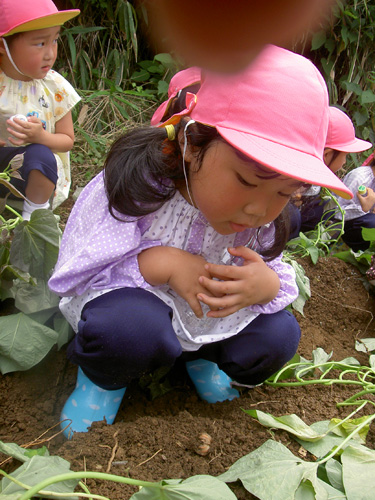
(89, 403)
(212, 384)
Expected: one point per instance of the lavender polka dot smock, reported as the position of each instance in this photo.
(99, 254)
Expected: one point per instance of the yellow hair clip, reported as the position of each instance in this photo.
(171, 132)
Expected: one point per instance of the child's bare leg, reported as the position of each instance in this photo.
(38, 192)
(39, 188)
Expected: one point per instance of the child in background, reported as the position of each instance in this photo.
(360, 211)
(189, 217)
(35, 102)
(308, 208)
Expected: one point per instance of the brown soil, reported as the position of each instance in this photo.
(157, 439)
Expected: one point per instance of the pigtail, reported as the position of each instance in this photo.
(144, 165)
(137, 170)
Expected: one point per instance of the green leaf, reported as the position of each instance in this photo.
(162, 87)
(358, 473)
(165, 58)
(345, 428)
(72, 47)
(140, 76)
(365, 345)
(194, 488)
(38, 469)
(330, 441)
(64, 330)
(367, 96)
(42, 452)
(31, 298)
(353, 87)
(318, 40)
(19, 453)
(314, 254)
(290, 423)
(368, 234)
(334, 473)
(273, 472)
(320, 356)
(23, 342)
(35, 245)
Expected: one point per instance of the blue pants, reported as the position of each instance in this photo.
(128, 332)
(36, 157)
(353, 231)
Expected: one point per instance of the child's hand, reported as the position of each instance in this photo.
(27, 132)
(241, 286)
(179, 269)
(367, 202)
(2, 143)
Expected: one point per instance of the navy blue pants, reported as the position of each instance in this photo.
(36, 157)
(128, 332)
(353, 231)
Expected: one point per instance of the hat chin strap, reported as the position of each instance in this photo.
(10, 57)
(190, 122)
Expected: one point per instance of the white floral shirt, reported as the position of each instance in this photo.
(49, 99)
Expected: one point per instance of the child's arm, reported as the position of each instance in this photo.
(252, 284)
(33, 132)
(179, 269)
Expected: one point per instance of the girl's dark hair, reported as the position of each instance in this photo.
(143, 167)
(9, 39)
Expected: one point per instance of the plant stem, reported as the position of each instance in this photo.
(14, 212)
(348, 438)
(87, 474)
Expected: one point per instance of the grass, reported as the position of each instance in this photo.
(98, 120)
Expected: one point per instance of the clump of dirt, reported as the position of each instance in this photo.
(159, 439)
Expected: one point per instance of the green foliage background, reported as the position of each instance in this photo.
(345, 54)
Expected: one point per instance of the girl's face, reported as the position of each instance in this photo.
(334, 159)
(235, 193)
(33, 52)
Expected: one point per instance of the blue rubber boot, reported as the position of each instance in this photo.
(89, 403)
(212, 384)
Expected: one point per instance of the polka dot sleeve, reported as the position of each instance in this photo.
(97, 251)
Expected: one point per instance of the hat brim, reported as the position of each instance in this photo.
(56, 19)
(356, 146)
(157, 117)
(286, 161)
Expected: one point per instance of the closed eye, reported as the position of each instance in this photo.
(243, 182)
(286, 195)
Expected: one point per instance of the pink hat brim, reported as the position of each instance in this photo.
(48, 21)
(293, 163)
(357, 146)
(160, 112)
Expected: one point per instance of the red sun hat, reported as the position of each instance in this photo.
(179, 81)
(341, 133)
(28, 15)
(276, 112)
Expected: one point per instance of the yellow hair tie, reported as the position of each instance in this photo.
(171, 132)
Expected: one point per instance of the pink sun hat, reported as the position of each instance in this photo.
(28, 15)
(276, 112)
(179, 81)
(341, 133)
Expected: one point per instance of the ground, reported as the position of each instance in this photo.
(158, 439)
